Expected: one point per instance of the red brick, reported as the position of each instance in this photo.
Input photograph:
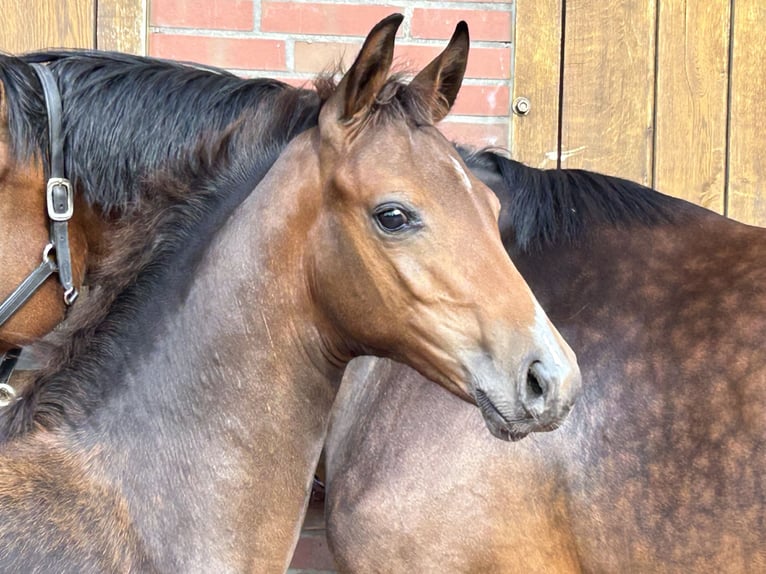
(492, 63)
(238, 53)
(483, 101)
(312, 553)
(336, 19)
(316, 57)
(477, 135)
(210, 14)
(482, 24)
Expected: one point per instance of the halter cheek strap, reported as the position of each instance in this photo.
(60, 207)
(59, 195)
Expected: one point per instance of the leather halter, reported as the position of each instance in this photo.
(56, 254)
(60, 206)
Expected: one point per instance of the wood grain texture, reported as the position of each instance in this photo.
(34, 24)
(121, 26)
(691, 114)
(537, 65)
(609, 87)
(747, 164)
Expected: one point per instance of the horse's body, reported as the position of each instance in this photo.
(124, 117)
(180, 428)
(662, 466)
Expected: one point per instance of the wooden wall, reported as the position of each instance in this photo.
(105, 24)
(668, 93)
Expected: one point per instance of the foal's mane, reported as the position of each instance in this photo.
(125, 116)
(146, 276)
(547, 207)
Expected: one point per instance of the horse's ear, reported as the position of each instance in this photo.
(358, 89)
(441, 79)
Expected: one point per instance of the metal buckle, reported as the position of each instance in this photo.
(70, 296)
(53, 183)
(7, 395)
(48, 257)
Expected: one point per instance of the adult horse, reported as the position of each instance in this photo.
(661, 467)
(122, 118)
(180, 431)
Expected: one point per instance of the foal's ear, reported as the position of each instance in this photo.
(358, 89)
(441, 79)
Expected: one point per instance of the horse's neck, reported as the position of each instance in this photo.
(221, 424)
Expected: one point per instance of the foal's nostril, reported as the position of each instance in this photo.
(533, 383)
(534, 396)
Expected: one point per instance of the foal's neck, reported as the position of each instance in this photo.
(222, 420)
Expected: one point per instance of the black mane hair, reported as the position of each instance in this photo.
(125, 117)
(146, 276)
(547, 207)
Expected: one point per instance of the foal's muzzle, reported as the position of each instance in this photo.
(538, 401)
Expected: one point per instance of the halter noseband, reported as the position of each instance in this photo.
(60, 206)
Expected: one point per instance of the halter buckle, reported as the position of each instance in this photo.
(49, 258)
(60, 199)
(7, 394)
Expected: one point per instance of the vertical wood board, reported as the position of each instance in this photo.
(537, 71)
(692, 93)
(121, 26)
(608, 87)
(747, 164)
(35, 24)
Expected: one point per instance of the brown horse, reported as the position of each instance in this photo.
(180, 431)
(661, 467)
(123, 118)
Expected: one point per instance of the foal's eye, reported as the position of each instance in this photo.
(392, 218)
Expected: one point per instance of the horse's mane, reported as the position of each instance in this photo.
(126, 117)
(547, 207)
(145, 277)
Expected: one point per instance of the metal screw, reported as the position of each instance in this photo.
(521, 106)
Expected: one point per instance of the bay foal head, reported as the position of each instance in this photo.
(405, 259)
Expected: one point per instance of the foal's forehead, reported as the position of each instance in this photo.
(422, 149)
(397, 157)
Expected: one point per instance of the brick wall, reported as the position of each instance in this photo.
(293, 40)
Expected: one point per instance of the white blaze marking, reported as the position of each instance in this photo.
(463, 175)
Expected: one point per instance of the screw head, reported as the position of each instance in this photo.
(521, 106)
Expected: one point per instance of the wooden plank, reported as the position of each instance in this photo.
(35, 24)
(121, 26)
(609, 87)
(692, 93)
(747, 163)
(537, 71)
